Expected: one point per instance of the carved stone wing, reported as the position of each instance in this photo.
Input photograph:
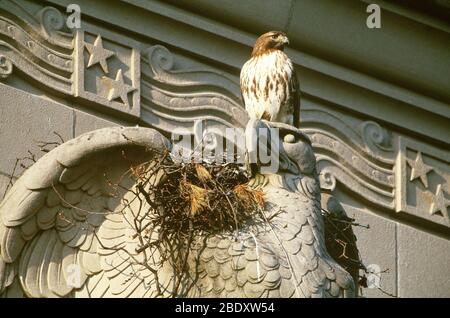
(67, 230)
(58, 221)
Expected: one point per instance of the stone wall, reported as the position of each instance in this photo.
(374, 101)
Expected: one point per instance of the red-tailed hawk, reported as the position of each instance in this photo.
(269, 84)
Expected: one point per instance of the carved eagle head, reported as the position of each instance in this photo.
(273, 40)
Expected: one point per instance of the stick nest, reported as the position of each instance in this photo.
(197, 197)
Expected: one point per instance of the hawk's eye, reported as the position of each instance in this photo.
(274, 36)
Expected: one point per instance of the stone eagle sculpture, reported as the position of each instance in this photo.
(63, 233)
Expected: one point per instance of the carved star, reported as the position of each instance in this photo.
(419, 169)
(98, 54)
(118, 88)
(440, 203)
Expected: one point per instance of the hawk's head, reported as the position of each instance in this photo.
(273, 40)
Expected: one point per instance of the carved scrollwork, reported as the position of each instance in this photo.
(47, 25)
(161, 62)
(343, 156)
(177, 97)
(375, 137)
(327, 180)
(160, 59)
(388, 171)
(51, 20)
(6, 67)
(36, 45)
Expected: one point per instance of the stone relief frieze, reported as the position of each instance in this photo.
(352, 156)
(111, 71)
(173, 97)
(108, 70)
(377, 142)
(37, 44)
(423, 181)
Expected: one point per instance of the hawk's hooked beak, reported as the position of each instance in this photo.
(285, 40)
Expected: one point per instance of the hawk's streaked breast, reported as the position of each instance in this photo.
(269, 87)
